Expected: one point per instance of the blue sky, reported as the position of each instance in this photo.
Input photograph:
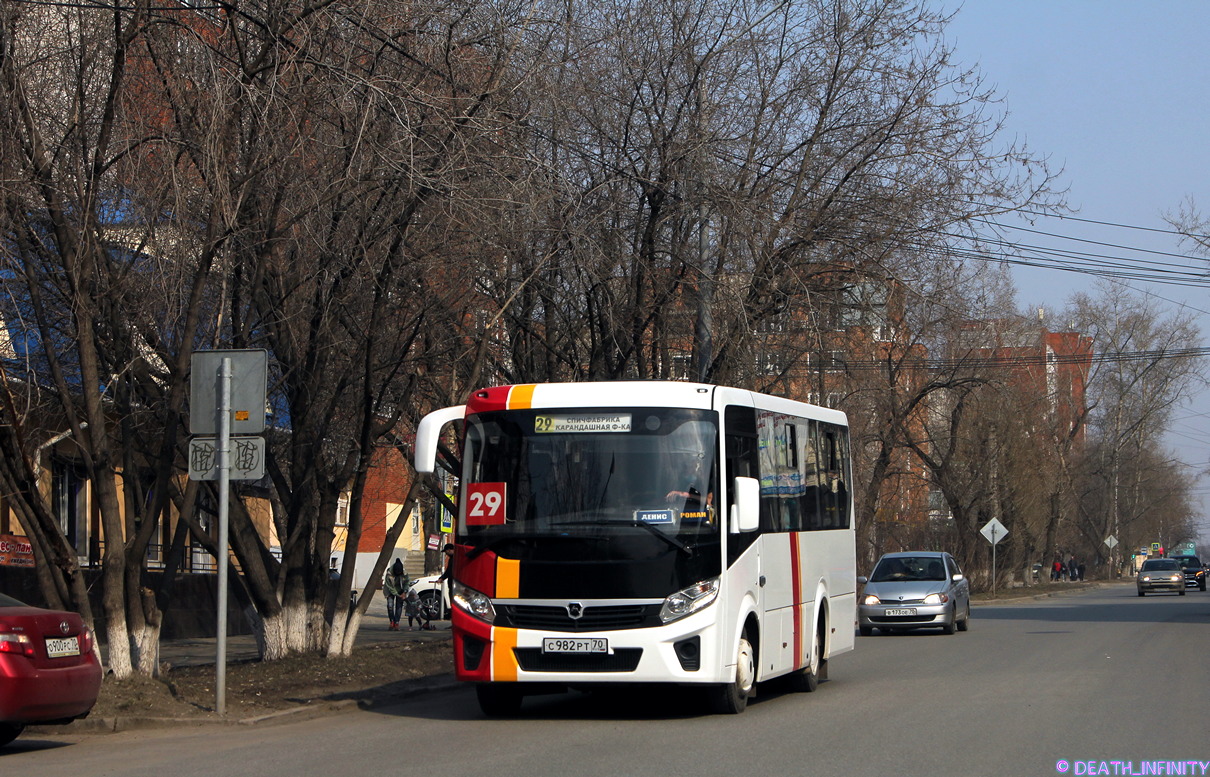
(1118, 94)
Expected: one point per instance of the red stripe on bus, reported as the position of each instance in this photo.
(796, 594)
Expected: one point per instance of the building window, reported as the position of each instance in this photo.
(70, 496)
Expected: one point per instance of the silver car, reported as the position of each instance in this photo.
(1160, 574)
(914, 590)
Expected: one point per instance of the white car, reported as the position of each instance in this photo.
(431, 590)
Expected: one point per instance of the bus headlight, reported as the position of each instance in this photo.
(472, 602)
(689, 600)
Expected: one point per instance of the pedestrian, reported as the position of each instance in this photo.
(395, 587)
(1073, 568)
(1056, 570)
(412, 608)
(447, 575)
(1081, 568)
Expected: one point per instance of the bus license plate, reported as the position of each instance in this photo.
(58, 648)
(575, 645)
(906, 611)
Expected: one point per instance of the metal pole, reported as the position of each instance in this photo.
(224, 485)
(993, 562)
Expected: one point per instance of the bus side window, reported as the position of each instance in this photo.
(742, 455)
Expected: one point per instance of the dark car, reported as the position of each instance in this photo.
(1195, 572)
(49, 669)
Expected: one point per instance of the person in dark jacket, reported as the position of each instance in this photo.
(395, 587)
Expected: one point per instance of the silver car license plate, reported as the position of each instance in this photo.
(58, 648)
(902, 611)
(575, 645)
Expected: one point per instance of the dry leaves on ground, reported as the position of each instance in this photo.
(259, 687)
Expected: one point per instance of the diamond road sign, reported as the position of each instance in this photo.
(247, 456)
(994, 531)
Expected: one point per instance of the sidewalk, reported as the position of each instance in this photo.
(203, 651)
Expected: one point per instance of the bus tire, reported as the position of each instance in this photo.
(732, 698)
(498, 701)
(806, 680)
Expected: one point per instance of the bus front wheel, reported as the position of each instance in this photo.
(731, 698)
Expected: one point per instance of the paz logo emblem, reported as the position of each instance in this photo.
(575, 610)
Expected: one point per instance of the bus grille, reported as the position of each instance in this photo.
(620, 660)
(599, 618)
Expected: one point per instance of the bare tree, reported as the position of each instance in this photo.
(700, 169)
(1142, 375)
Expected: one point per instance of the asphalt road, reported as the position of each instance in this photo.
(1102, 682)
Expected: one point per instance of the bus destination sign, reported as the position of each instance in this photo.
(571, 424)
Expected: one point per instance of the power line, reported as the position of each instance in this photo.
(1063, 217)
(1040, 359)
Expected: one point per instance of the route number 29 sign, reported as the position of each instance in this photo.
(485, 504)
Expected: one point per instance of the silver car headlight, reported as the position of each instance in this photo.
(689, 600)
(871, 599)
(1174, 578)
(472, 602)
(936, 598)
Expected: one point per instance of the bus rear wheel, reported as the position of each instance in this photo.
(732, 698)
(498, 701)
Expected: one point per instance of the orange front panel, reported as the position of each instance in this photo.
(504, 662)
(508, 578)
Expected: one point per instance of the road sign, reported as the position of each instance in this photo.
(247, 458)
(1111, 541)
(993, 531)
(249, 375)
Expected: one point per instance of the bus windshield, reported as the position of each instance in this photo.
(592, 472)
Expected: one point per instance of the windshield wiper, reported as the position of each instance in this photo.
(673, 541)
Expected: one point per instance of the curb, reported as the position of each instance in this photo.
(1017, 598)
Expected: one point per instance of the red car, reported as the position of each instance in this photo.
(49, 669)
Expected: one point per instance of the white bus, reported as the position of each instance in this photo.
(647, 532)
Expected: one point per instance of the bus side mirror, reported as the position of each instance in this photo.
(428, 433)
(745, 508)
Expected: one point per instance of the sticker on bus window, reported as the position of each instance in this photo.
(567, 424)
(653, 516)
(485, 504)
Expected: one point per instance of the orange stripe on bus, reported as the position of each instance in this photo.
(508, 578)
(521, 397)
(504, 661)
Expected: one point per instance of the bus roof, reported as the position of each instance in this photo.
(701, 396)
